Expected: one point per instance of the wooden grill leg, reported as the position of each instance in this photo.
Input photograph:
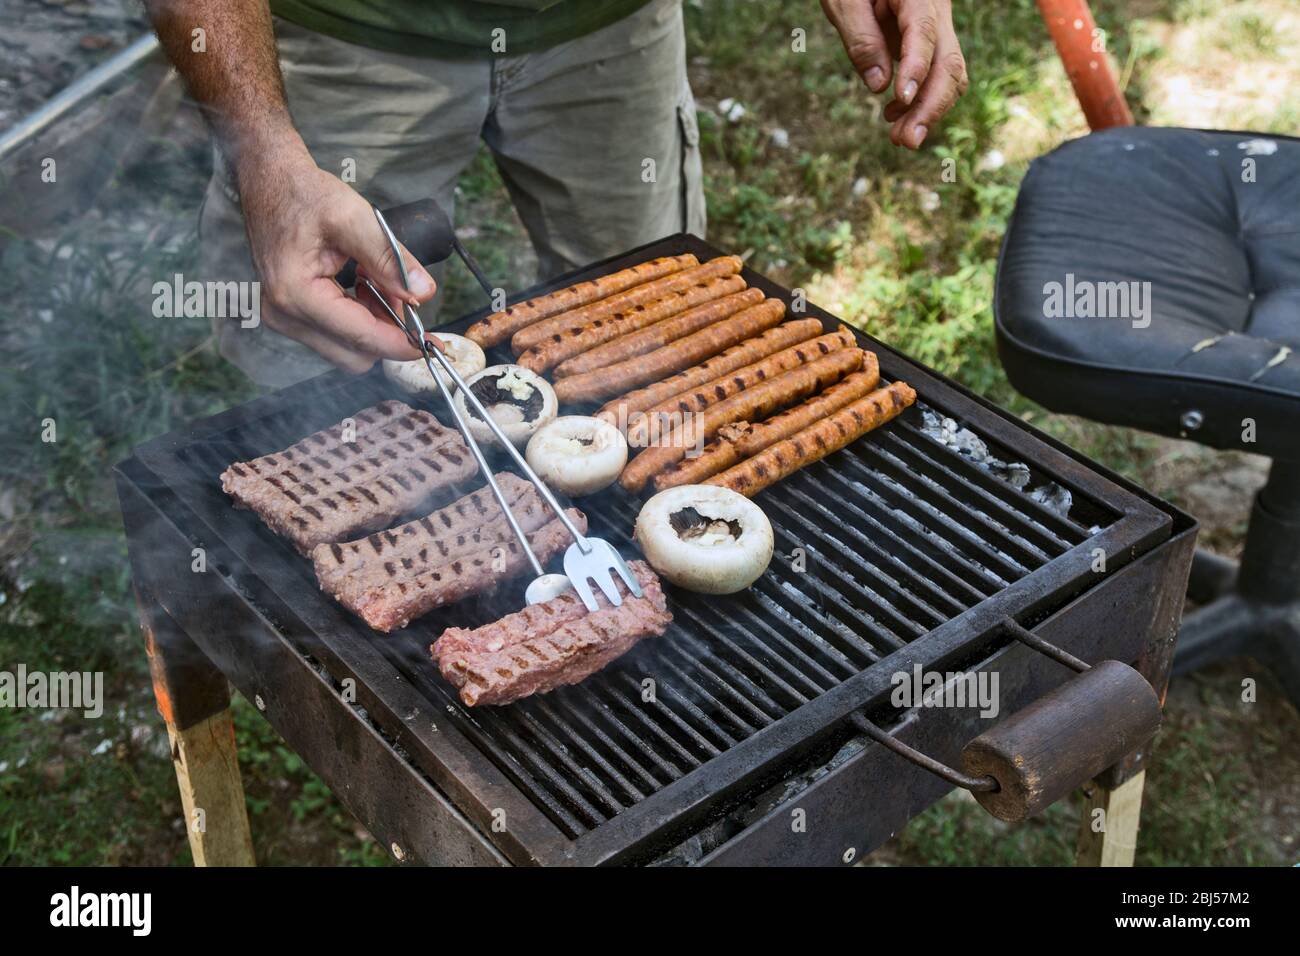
(194, 700)
(1109, 827)
(1117, 791)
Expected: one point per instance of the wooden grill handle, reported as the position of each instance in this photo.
(1063, 740)
(1057, 743)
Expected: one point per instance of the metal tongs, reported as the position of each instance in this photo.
(587, 559)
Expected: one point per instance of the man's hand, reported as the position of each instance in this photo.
(303, 225)
(919, 35)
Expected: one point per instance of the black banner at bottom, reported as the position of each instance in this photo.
(331, 906)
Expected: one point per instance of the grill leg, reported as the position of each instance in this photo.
(1108, 830)
(1109, 837)
(194, 701)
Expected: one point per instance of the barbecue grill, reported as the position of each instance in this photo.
(702, 745)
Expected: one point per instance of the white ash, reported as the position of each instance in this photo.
(1055, 499)
(970, 446)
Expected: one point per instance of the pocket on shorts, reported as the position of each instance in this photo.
(694, 218)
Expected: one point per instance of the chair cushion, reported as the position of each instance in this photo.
(1150, 273)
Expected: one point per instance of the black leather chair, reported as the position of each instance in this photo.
(1150, 278)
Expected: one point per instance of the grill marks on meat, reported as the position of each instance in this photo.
(392, 577)
(397, 604)
(549, 645)
(324, 489)
(354, 572)
(422, 542)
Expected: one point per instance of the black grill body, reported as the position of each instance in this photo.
(892, 553)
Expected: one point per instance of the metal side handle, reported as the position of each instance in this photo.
(1057, 743)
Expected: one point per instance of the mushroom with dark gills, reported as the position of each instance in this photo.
(706, 539)
(519, 400)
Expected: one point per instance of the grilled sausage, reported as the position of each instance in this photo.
(735, 443)
(527, 337)
(556, 348)
(659, 334)
(816, 441)
(499, 326)
(671, 358)
(761, 346)
(722, 388)
(757, 402)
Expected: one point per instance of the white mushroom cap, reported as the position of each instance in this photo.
(704, 538)
(577, 454)
(413, 377)
(521, 402)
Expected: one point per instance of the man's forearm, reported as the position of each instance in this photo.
(231, 70)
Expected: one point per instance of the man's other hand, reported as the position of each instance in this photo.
(917, 35)
(303, 226)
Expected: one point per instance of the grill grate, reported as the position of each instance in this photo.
(727, 669)
(878, 546)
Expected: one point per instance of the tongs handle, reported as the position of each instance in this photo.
(426, 232)
(423, 229)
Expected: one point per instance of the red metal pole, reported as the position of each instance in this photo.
(1072, 28)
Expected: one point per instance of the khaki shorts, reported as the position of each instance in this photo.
(571, 129)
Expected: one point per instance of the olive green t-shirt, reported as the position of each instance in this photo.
(455, 28)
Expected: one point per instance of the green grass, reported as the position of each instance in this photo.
(65, 797)
(911, 259)
(1250, 35)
